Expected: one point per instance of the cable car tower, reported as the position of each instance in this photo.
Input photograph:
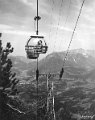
(50, 101)
(35, 46)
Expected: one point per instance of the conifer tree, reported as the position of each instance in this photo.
(8, 81)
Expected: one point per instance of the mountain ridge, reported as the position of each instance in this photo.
(79, 61)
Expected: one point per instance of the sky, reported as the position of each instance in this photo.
(58, 18)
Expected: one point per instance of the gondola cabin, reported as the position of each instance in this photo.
(35, 45)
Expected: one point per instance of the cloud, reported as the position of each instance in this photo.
(17, 22)
(15, 7)
(63, 28)
(15, 13)
(26, 2)
(11, 30)
(17, 32)
(3, 27)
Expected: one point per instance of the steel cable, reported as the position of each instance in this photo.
(62, 70)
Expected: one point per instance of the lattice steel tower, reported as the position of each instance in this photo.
(50, 101)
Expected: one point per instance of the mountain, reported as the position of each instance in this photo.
(79, 62)
(75, 93)
(21, 64)
(84, 52)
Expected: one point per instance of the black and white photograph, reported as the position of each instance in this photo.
(47, 60)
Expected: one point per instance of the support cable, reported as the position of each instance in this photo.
(50, 30)
(68, 12)
(58, 22)
(51, 17)
(62, 70)
(67, 15)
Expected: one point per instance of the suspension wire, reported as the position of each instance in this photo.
(51, 20)
(68, 12)
(62, 70)
(50, 30)
(58, 22)
(67, 15)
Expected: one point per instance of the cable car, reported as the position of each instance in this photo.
(35, 45)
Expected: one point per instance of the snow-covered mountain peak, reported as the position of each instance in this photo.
(85, 53)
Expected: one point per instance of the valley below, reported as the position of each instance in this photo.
(74, 94)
